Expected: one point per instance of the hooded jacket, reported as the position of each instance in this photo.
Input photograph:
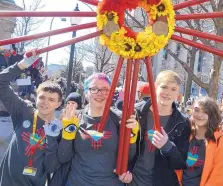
(212, 174)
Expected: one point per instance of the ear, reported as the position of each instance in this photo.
(59, 104)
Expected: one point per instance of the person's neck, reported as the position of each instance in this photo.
(163, 110)
(200, 132)
(95, 111)
(46, 117)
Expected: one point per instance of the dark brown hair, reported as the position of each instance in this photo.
(211, 108)
(49, 86)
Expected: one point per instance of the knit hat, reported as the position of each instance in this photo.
(144, 89)
(74, 96)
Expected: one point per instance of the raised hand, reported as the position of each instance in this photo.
(28, 61)
(70, 123)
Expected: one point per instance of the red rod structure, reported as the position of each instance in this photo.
(199, 16)
(90, 2)
(46, 34)
(188, 3)
(125, 154)
(110, 96)
(46, 14)
(199, 34)
(156, 117)
(124, 116)
(197, 45)
(65, 43)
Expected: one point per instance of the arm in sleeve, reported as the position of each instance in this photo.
(65, 150)
(51, 161)
(177, 154)
(216, 176)
(57, 152)
(9, 98)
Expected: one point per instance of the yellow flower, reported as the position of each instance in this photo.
(164, 8)
(102, 20)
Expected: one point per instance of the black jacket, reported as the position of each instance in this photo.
(178, 130)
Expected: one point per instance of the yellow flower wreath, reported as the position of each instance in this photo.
(146, 43)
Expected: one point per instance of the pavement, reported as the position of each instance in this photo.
(5, 134)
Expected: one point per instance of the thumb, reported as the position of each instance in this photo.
(163, 131)
(79, 117)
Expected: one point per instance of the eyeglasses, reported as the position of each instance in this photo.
(104, 91)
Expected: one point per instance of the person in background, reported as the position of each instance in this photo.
(73, 99)
(204, 161)
(143, 92)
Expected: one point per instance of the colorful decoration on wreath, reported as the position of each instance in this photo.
(121, 40)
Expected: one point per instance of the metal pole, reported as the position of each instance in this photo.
(48, 44)
(71, 65)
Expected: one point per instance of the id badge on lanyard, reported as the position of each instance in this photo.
(30, 170)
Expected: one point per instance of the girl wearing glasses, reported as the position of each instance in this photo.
(93, 155)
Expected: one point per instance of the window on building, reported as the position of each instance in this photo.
(178, 49)
(200, 63)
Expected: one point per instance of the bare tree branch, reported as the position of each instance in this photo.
(188, 70)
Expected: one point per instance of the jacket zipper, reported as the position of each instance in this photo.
(175, 127)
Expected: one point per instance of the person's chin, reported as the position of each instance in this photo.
(166, 103)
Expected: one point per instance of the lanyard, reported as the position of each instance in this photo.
(34, 147)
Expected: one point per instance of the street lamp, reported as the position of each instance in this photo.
(73, 21)
(48, 43)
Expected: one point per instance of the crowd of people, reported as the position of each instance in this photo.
(68, 151)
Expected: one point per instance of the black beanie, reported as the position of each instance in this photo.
(76, 98)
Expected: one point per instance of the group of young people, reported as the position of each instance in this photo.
(70, 152)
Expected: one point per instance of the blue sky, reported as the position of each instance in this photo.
(60, 56)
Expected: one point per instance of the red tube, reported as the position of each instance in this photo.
(65, 43)
(125, 154)
(110, 96)
(46, 14)
(124, 116)
(188, 4)
(199, 34)
(90, 2)
(46, 34)
(156, 117)
(199, 16)
(197, 45)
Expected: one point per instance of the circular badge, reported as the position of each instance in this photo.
(26, 124)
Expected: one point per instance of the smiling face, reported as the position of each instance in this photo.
(200, 117)
(167, 93)
(47, 102)
(97, 93)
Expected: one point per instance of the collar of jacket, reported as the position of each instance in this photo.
(177, 116)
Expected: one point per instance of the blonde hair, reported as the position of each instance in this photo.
(168, 76)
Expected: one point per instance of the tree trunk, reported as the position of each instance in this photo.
(189, 78)
(215, 72)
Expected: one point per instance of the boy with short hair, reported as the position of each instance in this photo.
(23, 163)
(162, 153)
